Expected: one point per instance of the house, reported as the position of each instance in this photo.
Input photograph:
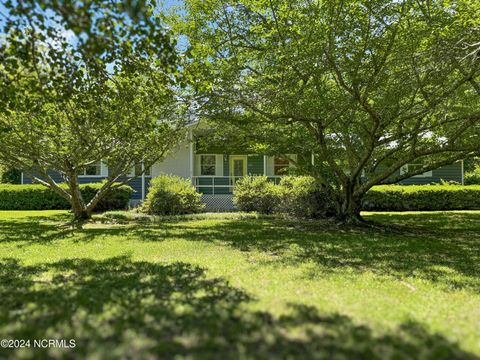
(214, 172)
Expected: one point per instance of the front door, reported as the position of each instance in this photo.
(238, 166)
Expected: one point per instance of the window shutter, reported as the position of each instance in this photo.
(196, 167)
(219, 165)
(270, 161)
(292, 157)
(103, 169)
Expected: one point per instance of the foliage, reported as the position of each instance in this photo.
(472, 172)
(116, 198)
(78, 89)
(10, 175)
(172, 195)
(303, 197)
(473, 177)
(252, 289)
(471, 163)
(367, 86)
(256, 193)
(38, 197)
(422, 198)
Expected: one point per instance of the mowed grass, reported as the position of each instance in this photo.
(236, 286)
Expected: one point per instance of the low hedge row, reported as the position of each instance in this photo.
(302, 197)
(38, 197)
(422, 198)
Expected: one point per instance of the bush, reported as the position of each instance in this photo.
(115, 199)
(303, 197)
(10, 175)
(473, 177)
(38, 197)
(422, 198)
(256, 193)
(172, 195)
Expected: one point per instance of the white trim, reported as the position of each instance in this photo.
(92, 176)
(143, 180)
(199, 160)
(103, 169)
(219, 164)
(231, 168)
(213, 185)
(289, 157)
(132, 172)
(191, 157)
(269, 166)
(463, 174)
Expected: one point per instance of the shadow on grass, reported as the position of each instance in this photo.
(119, 308)
(448, 256)
(442, 248)
(27, 230)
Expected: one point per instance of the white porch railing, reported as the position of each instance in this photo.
(220, 184)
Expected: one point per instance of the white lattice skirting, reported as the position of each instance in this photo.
(218, 203)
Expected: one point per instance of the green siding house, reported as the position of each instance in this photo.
(214, 172)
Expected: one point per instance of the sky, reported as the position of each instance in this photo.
(166, 3)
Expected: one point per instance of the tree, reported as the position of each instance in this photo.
(84, 82)
(367, 86)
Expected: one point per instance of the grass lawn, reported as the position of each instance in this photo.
(225, 286)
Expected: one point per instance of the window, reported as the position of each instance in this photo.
(137, 171)
(280, 166)
(207, 164)
(414, 167)
(94, 169)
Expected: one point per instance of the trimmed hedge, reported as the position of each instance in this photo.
(301, 197)
(422, 198)
(38, 197)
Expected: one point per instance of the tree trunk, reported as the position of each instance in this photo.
(80, 212)
(349, 206)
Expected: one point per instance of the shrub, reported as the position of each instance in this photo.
(422, 198)
(38, 197)
(256, 193)
(115, 199)
(172, 195)
(10, 175)
(303, 197)
(473, 177)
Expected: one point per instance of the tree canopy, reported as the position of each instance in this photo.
(84, 82)
(366, 86)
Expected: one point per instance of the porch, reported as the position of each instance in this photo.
(216, 174)
(221, 185)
